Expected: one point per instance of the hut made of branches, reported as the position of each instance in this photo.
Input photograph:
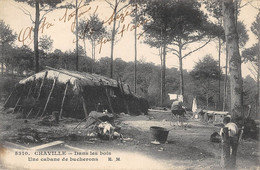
(72, 94)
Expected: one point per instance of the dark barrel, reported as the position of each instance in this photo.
(159, 134)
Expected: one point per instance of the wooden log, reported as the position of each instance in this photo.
(225, 149)
(29, 113)
(60, 71)
(8, 98)
(38, 113)
(39, 94)
(30, 89)
(79, 123)
(129, 89)
(63, 99)
(84, 107)
(74, 148)
(48, 99)
(47, 145)
(16, 104)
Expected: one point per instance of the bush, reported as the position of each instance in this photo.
(7, 84)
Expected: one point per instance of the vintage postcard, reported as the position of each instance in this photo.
(129, 84)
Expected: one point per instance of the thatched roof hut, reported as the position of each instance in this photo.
(72, 94)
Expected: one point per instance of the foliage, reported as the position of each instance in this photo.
(204, 75)
(50, 3)
(250, 93)
(255, 26)
(46, 43)
(242, 33)
(39, 5)
(250, 54)
(7, 36)
(92, 29)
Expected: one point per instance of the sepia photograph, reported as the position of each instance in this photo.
(129, 84)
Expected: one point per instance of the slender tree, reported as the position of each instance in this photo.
(45, 6)
(115, 5)
(92, 29)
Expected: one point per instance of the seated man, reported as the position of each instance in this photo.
(177, 109)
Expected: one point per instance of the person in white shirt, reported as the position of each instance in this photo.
(233, 136)
(232, 127)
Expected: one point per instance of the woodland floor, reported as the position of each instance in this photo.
(188, 148)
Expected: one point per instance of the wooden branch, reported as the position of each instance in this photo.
(111, 5)
(7, 100)
(254, 6)
(43, 16)
(30, 89)
(44, 77)
(84, 106)
(175, 54)
(252, 71)
(63, 99)
(196, 38)
(246, 4)
(197, 49)
(26, 12)
(47, 145)
(16, 104)
(122, 8)
(60, 71)
(29, 113)
(79, 4)
(48, 99)
(172, 49)
(254, 66)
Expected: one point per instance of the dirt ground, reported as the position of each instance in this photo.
(188, 148)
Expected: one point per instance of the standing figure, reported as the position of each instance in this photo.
(177, 109)
(230, 135)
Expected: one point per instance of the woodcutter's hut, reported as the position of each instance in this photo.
(72, 94)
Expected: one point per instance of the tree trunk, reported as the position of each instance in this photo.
(77, 38)
(258, 76)
(181, 72)
(2, 61)
(207, 96)
(225, 82)
(234, 59)
(36, 35)
(163, 74)
(85, 48)
(219, 68)
(113, 41)
(135, 71)
(94, 54)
